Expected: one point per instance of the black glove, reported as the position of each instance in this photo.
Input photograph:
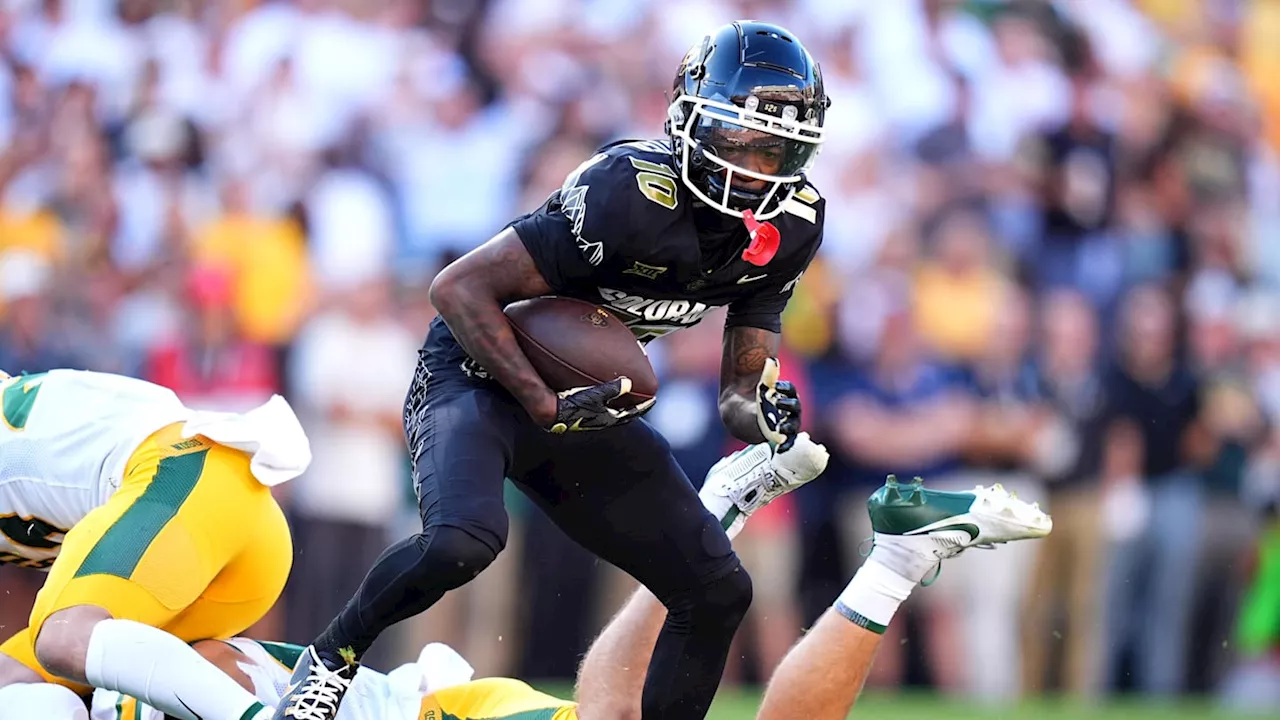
(777, 408)
(586, 408)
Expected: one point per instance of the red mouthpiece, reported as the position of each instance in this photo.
(764, 240)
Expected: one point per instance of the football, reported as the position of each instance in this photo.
(573, 343)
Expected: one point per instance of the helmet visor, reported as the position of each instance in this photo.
(740, 157)
(752, 147)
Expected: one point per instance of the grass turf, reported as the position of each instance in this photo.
(741, 705)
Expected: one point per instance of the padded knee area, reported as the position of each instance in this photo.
(721, 603)
(450, 557)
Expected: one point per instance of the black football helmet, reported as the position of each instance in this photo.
(746, 118)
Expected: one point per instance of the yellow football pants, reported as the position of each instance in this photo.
(191, 543)
(495, 699)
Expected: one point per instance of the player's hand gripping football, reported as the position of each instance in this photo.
(586, 408)
(777, 408)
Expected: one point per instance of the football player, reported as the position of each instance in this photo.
(439, 685)
(820, 679)
(915, 529)
(263, 668)
(157, 527)
(719, 214)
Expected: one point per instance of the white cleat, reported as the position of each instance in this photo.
(753, 477)
(937, 525)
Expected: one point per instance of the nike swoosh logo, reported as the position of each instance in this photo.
(750, 278)
(194, 714)
(969, 528)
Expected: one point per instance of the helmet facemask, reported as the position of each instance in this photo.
(726, 149)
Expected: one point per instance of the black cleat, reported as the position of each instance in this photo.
(315, 690)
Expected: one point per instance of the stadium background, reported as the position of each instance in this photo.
(1052, 259)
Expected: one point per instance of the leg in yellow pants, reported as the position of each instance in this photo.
(191, 543)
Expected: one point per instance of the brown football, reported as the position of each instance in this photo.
(573, 343)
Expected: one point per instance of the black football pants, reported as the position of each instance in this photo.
(619, 493)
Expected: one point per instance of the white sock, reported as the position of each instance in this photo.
(41, 700)
(165, 673)
(903, 560)
(873, 596)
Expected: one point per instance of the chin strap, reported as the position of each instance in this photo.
(764, 240)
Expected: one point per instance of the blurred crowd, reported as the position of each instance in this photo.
(1052, 260)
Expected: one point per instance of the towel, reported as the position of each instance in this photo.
(438, 667)
(270, 434)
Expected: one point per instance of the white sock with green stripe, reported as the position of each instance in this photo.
(41, 700)
(165, 673)
(874, 594)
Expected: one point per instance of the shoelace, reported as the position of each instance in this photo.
(741, 485)
(937, 568)
(991, 496)
(870, 542)
(319, 696)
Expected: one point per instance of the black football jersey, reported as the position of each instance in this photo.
(621, 233)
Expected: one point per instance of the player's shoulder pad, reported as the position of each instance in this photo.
(806, 204)
(800, 223)
(629, 173)
(620, 187)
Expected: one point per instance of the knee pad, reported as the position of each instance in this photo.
(730, 595)
(453, 557)
(722, 602)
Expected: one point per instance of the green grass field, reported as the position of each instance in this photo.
(873, 706)
(926, 707)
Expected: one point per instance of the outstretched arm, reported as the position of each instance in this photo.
(745, 351)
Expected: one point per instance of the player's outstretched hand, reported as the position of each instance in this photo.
(777, 407)
(586, 408)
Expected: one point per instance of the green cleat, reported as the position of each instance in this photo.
(937, 525)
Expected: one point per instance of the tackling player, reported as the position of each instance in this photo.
(661, 233)
(157, 526)
(820, 679)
